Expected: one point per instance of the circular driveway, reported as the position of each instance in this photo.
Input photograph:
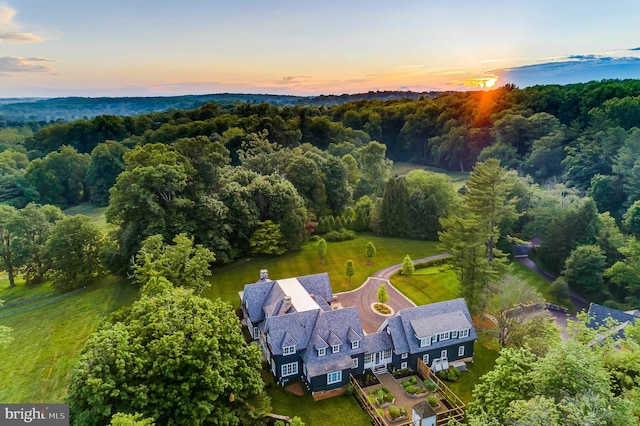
(367, 293)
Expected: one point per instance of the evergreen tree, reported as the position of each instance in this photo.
(383, 296)
(407, 266)
(395, 208)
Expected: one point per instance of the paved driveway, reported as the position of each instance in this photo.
(367, 293)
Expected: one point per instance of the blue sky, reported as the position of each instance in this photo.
(158, 47)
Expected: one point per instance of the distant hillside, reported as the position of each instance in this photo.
(68, 109)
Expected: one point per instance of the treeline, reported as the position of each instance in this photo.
(258, 178)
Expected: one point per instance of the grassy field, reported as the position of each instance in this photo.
(47, 342)
(339, 410)
(88, 209)
(457, 178)
(429, 285)
(21, 291)
(485, 353)
(229, 280)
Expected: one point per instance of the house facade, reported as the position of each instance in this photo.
(303, 337)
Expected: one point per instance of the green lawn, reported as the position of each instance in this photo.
(88, 209)
(339, 410)
(36, 366)
(229, 280)
(21, 291)
(540, 284)
(484, 358)
(457, 178)
(429, 285)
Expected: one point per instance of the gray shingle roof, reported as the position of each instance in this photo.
(333, 326)
(445, 316)
(378, 342)
(598, 315)
(353, 335)
(298, 324)
(254, 297)
(288, 340)
(429, 326)
(319, 343)
(317, 284)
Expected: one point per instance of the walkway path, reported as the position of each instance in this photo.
(367, 293)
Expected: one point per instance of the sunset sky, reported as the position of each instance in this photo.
(157, 47)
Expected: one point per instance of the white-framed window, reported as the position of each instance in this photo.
(443, 336)
(425, 358)
(255, 332)
(405, 355)
(322, 351)
(288, 350)
(443, 354)
(334, 377)
(335, 349)
(355, 344)
(460, 350)
(403, 365)
(434, 339)
(387, 354)
(289, 369)
(355, 362)
(454, 334)
(425, 341)
(463, 333)
(368, 358)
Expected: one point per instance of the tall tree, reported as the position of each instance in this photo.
(181, 263)
(322, 249)
(105, 166)
(584, 269)
(172, 357)
(74, 247)
(395, 208)
(7, 252)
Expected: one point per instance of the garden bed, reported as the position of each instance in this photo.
(367, 379)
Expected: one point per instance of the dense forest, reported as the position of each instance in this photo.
(258, 178)
(185, 189)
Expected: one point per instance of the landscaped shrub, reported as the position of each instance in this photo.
(433, 401)
(348, 389)
(450, 375)
(394, 412)
(430, 385)
(343, 235)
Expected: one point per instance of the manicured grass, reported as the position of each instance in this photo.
(37, 365)
(88, 209)
(484, 358)
(457, 178)
(229, 280)
(429, 285)
(21, 291)
(339, 410)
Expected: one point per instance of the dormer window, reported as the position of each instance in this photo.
(425, 341)
(288, 350)
(463, 333)
(322, 351)
(335, 349)
(443, 336)
(454, 334)
(355, 344)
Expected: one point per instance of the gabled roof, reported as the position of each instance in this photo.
(319, 343)
(298, 325)
(288, 340)
(254, 297)
(333, 328)
(353, 335)
(408, 325)
(378, 342)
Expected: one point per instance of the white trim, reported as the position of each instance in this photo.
(463, 333)
(404, 355)
(443, 354)
(403, 365)
(289, 350)
(322, 351)
(335, 377)
(355, 344)
(289, 369)
(425, 341)
(355, 362)
(443, 336)
(461, 350)
(454, 334)
(335, 349)
(425, 358)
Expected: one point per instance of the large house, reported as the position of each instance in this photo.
(303, 336)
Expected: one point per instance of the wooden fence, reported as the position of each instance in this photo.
(456, 409)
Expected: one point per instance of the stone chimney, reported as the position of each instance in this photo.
(286, 304)
(264, 275)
